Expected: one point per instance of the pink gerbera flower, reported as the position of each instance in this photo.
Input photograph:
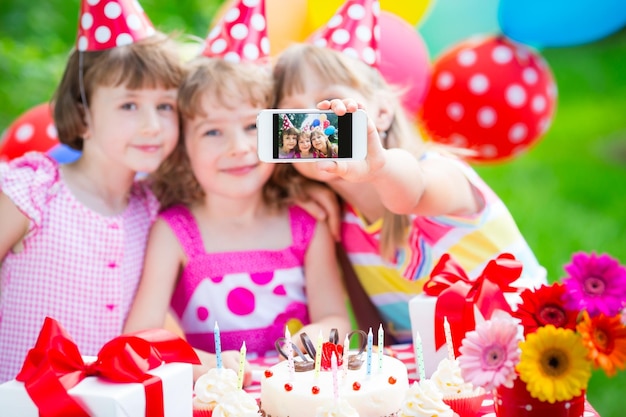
(595, 283)
(489, 353)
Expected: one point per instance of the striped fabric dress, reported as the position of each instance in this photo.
(471, 240)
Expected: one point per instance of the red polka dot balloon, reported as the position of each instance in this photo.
(489, 95)
(34, 130)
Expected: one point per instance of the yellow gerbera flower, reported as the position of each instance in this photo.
(605, 338)
(554, 364)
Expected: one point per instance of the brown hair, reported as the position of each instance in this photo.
(337, 68)
(228, 84)
(150, 63)
(289, 131)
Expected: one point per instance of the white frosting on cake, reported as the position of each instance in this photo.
(377, 395)
(423, 399)
(450, 382)
(340, 408)
(236, 404)
(213, 385)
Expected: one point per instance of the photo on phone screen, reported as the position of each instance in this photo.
(301, 135)
(316, 135)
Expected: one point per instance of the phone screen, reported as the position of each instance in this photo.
(317, 135)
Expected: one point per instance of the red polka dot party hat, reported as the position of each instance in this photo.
(105, 24)
(241, 34)
(286, 122)
(353, 30)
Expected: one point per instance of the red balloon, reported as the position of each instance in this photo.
(489, 95)
(404, 60)
(33, 130)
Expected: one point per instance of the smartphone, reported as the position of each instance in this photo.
(308, 135)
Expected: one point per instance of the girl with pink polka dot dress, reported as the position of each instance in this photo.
(408, 203)
(74, 235)
(229, 248)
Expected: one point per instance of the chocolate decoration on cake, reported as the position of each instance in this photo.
(303, 365)
(307, 363)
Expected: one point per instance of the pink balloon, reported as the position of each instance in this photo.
(404, 60)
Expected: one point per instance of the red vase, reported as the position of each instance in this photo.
(517, 402)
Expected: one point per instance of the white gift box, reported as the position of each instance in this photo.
(102, 398)
(422, 314)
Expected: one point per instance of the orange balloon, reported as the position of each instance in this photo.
(320, 11)
(286, 22)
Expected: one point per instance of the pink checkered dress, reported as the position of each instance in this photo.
(76, 265)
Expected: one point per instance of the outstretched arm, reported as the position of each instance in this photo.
(404, 184)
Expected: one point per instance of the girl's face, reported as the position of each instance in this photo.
(289, 142)
(319, 142)
(222, 149)
(304, 144)
(132, 129)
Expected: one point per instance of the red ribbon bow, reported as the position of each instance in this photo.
(55, 365)
(457, 294)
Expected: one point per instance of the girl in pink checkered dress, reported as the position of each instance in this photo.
(73, 236)
(228, 247)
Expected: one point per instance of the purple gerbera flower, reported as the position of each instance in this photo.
(596, 283)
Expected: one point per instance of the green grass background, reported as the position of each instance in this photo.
(568, 193)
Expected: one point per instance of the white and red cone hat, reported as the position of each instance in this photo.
(286, 122)
(353, 30)
(105, 24)
(241, 34)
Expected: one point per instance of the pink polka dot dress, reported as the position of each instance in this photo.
(252, 295)
(74, 265)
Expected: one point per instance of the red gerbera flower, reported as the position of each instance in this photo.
(544, 306)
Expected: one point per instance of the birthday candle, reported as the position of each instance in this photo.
(242, 362)
(333, 368)
(381, 346)
(419, 354)
(318, 354)
(370, 340)
(448, 333)
(346, 354)
(289, 352)
(218, 345)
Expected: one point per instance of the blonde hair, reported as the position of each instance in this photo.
(150, 63)
(337, 68)
(330, 148)
(229, 84)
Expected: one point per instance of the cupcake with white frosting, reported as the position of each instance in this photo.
(461, 396)
(423, 399)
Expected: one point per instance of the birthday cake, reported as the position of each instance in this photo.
(372, 387)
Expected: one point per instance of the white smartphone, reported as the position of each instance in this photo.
(307, 135)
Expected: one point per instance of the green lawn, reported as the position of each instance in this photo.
(567, 193)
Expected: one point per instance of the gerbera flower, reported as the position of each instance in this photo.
(545, 305)
(554, 364)
(605, 338)
(489, 354)
(596, 283)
